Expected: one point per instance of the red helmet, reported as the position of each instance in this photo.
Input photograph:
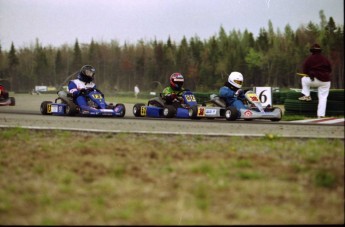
(176, 81)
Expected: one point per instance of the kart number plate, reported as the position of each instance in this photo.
(201, 112)
(97, 96)
(52, 108)
(143, 111)
(190, 98)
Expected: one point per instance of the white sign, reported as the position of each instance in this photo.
(264, 94)
(41, 88)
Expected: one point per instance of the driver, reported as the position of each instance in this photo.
(3, 92)
(232, 93)
(173, 93)
(78, 87)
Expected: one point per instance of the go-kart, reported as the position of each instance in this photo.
(157, 107)
(10, 101)
(216, 108)
(64, 105)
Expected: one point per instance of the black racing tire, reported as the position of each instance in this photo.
(123, 112)
(295, 95)
(311, 106)
(137, 109)
(44, 107)
(169, 111)
(300, 106)
(296, 107)
(13, 101)
(336, 95)
(281, 114)
(70, 110)
(231, 113)
(334, 113)
(193, 111)
(335, 105)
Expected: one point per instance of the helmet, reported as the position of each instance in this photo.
(315, 48)
(236, 79)
(87, 73)
(176, 81)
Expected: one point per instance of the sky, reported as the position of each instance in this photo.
(59, 22)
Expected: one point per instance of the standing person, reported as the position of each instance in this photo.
(318, 68)
(172, 93)
(136, 91)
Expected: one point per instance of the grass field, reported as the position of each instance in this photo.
(63, 178)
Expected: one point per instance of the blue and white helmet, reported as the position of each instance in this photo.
(236, 79)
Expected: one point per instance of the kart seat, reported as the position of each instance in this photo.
(66, 96)
(157, 101)
(218, 101)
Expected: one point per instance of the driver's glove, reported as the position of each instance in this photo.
(100, 92)
(238, 92)
(82, 91)
(173, 96)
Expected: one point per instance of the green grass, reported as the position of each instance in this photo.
(64, 178)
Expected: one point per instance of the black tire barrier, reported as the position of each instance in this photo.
(297, 107)
(334, 94)
(296, 95)
(337, 95)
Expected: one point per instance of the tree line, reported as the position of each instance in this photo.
(271, 59)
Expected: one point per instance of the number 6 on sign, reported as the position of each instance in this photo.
(264, 94)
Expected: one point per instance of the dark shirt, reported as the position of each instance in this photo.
(317, 65)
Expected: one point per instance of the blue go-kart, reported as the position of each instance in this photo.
(157, 107)
(64, 105)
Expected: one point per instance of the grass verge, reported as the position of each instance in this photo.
(64, 178)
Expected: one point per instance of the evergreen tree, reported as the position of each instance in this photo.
(13, 62)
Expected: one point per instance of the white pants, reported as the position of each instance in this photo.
(322, 92)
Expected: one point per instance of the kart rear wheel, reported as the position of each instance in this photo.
(44, 107)
(231, 113)
(137, 109)
(13, 101)
(122, 109)
(169, 111)
(281, 114)
(70, 110)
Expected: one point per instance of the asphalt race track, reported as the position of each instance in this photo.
(26, 114)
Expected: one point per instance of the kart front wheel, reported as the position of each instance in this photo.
(231, 113)
(44, 107)
(169, 111)
(192, 112)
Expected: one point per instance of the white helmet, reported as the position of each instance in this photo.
(236, 79)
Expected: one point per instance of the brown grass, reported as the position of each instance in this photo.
(63, 178)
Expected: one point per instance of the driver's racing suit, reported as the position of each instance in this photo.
(76, 88)
(233, 98)
(169, 95)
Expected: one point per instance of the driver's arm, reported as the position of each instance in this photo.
(73, 89)
(170, 97)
